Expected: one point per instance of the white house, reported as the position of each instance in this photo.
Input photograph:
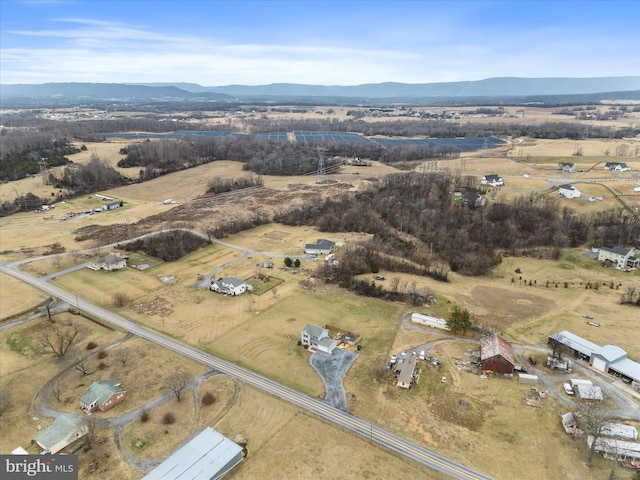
(617, 166)
(319, 338)
(568, 191)
(229, 286)
(321, 247)
(493, 180)
(113, 261)
(619, 257)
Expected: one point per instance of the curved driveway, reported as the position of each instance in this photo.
(354, 424)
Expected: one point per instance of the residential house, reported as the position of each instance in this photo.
(618, 257)
(112, 205)
(566, 167)
(229, 286)
(113, 261)
(65, 430)
(568, 191)
(617, 166)
(318, 338)
(102, 396)
(473, 200)
(406, 376)
(493, 180)
(321, 247)
(496, 355)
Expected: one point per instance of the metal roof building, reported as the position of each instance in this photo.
(208, 456)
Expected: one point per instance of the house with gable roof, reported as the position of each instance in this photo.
(618, 257)
(102, 396)
(65, 430)
(113, 261)
(321, 247)
(569, 191)
(318, 338)
(566, 167)
(229, 286)
(492, 179)
(617, 166)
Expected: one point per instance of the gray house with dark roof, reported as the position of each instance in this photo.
(102, 396)
(322, 246)
(66, 429)
(319, 338)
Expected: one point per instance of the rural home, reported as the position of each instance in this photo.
(113, 261)
(617, 166)
(618, 257)
(473, 200)
(321, 247)
(432, 322)
(208, 455)
(566, 167)
(609, 359)
(496, 355)
(318, 338)
(568, 191)
(112, 205)
(229, 286)
(102, 396)
(407, 368)
(65, 430)
(493, 180)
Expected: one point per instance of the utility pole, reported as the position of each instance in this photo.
(322, 172)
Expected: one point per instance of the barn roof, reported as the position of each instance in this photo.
(494, 345)
(610, 353)
(575, 342)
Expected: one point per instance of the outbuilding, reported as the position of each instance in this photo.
(496, 355)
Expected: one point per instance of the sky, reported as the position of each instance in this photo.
(215, 43)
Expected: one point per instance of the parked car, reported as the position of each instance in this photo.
(532, 360)
(421, 357)
(394, 359)
(567, 388)
(587, 316)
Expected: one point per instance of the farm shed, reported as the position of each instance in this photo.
(621, 448)
(496, 355)
(570, 425)
(209, 455)
(588, 393)
(528, 379)
(432, 322)
(66, 429)
(580, 347)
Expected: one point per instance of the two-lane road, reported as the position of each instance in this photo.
(361, 427)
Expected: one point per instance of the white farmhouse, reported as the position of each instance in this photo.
(618, 257)
(319, 338)
(568, 191)
(113, 261)
(229, 286)
(617, 166)
(493, 180)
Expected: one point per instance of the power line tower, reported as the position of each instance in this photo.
(322, 172)
(43, 170)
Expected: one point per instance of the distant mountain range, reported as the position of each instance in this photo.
(502, 87)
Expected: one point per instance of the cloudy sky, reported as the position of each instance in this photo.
(315, 42)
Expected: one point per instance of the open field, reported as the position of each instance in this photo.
(469, 419)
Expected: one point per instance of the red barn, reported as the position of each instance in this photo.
(496, 354)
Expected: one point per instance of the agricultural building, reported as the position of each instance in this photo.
(432, 322)
(209, 455)
(112, 205)
(496, 355)
(588, 393)
(229, 286)
(102, 396)
(610, 358)
(66, 429)
(569, 191)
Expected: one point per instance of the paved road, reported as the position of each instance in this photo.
(356, 425)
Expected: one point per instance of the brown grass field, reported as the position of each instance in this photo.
(468, 419)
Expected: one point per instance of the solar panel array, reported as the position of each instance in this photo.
(273, 136)
(305, 136)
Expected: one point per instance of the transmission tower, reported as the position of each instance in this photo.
(43, 170)
(322, 172)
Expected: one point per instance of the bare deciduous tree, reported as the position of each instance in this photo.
(59, 340)
(592, 419)
(91, 426)
(177, 382)
(81, 364)
(120, 299)
(123, 355)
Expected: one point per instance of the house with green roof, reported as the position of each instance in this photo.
(65, 430)
(102, 396)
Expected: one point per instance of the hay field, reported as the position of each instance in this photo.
(17, 296)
